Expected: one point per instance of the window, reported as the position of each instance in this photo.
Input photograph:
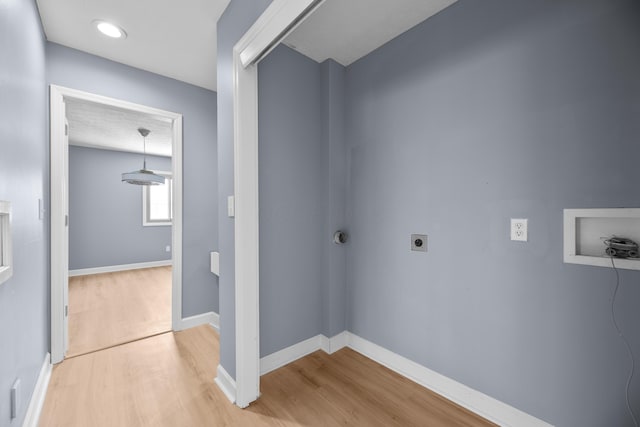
(6, 264)
(157, 202)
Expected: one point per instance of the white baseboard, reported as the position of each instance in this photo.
(210, 318)
(475, 401)
(226, 384)
(214, 321)
(335, 343)
(287, 355)
(39, 393)
(123, 267)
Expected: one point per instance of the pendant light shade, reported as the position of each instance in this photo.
(143, 176)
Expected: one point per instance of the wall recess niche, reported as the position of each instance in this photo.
(586, 229)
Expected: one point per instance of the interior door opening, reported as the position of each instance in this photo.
(107, 288)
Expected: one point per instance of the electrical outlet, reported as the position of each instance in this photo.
(419, 242)
(167, 248)
(519, 229)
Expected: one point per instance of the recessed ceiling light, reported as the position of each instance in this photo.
(109, 29)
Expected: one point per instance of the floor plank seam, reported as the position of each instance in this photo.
(118, 345)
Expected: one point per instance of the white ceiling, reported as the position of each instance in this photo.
(176, 39)
(101, 126)
(347, 30)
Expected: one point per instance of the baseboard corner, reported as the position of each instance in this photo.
(292, 353)
(226, 384)
(210, 318)
(215, 321)
(337, 342)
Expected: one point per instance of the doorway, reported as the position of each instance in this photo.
(135, 310)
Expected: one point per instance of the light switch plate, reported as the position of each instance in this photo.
(231, 206)
(519, 229)
(15, 399)
(41, 210)
(215, 263)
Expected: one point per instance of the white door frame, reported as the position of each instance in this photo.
(277, 21)
(59, 210)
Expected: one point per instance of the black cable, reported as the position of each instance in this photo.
(624, 339)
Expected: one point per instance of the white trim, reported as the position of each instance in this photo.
(246, 232)
(122, 267)
(570, 241)
(39, 393)
(145, 197)
(475, 401)
(59, 176)
(287, 355)
(214, 321)
(226, 384)
(277, 21)
(176, 229)
(209, 318)
(113, 102)
(59, 262)
(279, 17)
(215, 263)
(325, 344)
(335, 343)
(6, 260)
(292, 353)
(215, 326)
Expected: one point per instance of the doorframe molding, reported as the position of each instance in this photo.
(58, 175)
(276, 22)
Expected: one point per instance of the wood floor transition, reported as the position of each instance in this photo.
(113, 308)
(167, 380)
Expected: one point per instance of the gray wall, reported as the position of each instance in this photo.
(334, 169)
(292, 200)
(78, 70)
(24, 298)
(236, 20)
(302, 190)
(485, 112)
(105, 214)
(488, 111)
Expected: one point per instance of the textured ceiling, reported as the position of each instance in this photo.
(100, 126)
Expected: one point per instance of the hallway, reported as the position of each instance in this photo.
(167, 380)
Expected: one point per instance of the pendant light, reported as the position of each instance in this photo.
(143, 176)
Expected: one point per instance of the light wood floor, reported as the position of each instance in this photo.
(167, 380)
(114, 308)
